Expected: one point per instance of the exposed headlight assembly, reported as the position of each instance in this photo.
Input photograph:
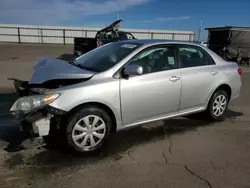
(27, 104)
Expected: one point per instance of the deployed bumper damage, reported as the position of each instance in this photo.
(33, 106)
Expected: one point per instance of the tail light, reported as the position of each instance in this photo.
(240, 71)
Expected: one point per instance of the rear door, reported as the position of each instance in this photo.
(199, 75)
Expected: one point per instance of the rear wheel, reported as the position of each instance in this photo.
(217, 105)
(88, 129)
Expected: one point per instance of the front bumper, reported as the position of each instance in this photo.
(41, 127)
(36, 123)
(39, 123)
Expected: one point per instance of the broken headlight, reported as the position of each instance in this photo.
(27, 104)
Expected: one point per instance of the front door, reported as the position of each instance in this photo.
(155, 93)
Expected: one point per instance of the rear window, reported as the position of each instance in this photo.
(104, 57)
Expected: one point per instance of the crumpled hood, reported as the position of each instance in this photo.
(52, 68)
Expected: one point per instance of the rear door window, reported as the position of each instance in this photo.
(193, 56)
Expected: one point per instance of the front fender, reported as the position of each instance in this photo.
(105, 93)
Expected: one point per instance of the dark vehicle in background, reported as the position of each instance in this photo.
(109, 34)
(231, 43)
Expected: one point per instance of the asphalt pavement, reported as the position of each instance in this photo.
(174, 153)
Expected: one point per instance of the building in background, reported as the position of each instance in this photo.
(230, 42)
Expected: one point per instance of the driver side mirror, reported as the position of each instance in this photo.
(133, 70)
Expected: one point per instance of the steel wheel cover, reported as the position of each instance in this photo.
(219, 105)
(88, 132)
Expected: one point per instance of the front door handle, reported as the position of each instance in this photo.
(214, 72)
(174, 78)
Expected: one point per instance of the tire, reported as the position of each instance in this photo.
(217, 106)
(78, 131)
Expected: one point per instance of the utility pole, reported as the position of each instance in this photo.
(199, 34)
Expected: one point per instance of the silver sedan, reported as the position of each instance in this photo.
(125, 84)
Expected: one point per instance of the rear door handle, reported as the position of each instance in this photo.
(214, 72)
(174, 78)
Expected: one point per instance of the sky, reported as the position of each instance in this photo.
(137, 14)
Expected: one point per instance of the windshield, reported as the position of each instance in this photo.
(104, 57)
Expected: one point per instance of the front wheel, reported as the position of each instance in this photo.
(88, 129)
(217, 105)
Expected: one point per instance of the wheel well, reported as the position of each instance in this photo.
(225, 88)
(99, 105)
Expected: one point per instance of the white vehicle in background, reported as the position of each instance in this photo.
(204, 43)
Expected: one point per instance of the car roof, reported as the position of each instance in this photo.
(157, 41)
(150, 42)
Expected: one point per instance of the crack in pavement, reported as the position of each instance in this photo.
(39, 166)
(130, 157)
(167, 137)
(165, 157)
(202, 179)
(170, 147)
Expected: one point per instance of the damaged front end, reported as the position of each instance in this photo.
(33, 107)
(35, 113)
(24, 89)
